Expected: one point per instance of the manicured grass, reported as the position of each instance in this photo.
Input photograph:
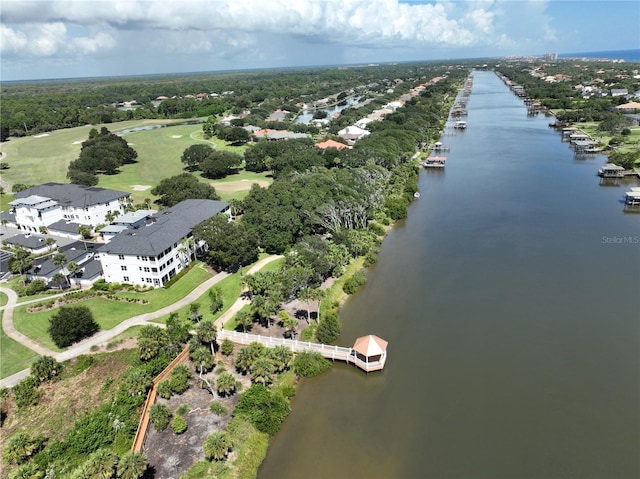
(159, 153)
(15, 357)
(4, 299)
(5, 199)
(38, 159)
(109, 313)
(35, 160)
(232, 324)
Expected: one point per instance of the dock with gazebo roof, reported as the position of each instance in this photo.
(369, 353)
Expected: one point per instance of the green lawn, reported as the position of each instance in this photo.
(15, 357)
(231, 287)
(5, 199)
(37, 159)
(109, 313)
(4, 299)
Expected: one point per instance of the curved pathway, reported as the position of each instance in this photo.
(105, 336)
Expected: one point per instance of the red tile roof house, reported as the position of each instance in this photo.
(331, 144)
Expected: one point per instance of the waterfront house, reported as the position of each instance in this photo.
(331, 144)
(152, 254)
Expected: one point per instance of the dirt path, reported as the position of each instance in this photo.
(103, 337)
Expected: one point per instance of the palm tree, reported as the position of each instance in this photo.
(290, 324)
(263, 307)
(262, 370)
(4, 222)
(281, 357)
(318, 295)
(245, 319)
(59, 259)
(59, 278)
(194, 312)
(101, 464)
(244, 359)
(50, 242)
(72, 268)
(305, 295)
(207, 333)
(216, 446)
(132, 465)
(202, 359)
(226, 384)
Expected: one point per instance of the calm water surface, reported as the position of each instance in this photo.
(512, 320)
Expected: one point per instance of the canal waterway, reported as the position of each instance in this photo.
(510, 298)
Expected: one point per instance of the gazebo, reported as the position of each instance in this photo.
(370, 352)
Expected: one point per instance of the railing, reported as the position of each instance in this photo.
(339, 353)
(141, 433)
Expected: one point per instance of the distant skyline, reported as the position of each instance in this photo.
(46, 39)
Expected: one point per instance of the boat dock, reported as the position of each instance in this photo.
(369, 353)
(435, 162)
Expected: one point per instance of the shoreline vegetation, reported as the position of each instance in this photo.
(237, 442)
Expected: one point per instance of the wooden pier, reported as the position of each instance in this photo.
(368, 353)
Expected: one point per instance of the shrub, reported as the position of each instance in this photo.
(216, 446)
(159, 415)
(26, 392)
(36, 286)
(377, 229)
(71, 324)
(164, 389)
(183, 410)
(308, 364)
(218, 409)
(264, 410)
(226, 347)
(180, 378)
(179, 424)
(21, 446)
(45, 368)
(354, 282)
(329, 328)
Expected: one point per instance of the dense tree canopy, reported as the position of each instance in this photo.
(229, 244)
(102, 153)
(71, 324)
(182, 187)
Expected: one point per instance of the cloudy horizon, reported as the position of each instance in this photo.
(79, 38)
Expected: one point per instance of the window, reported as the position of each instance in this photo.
(156, 282)
(125, 278)
(123, 268)
(120, 256)
(146, 269)
(138, 258)
(154, 270)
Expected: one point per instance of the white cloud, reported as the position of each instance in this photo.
(48, 40)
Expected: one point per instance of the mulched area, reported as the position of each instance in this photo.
(170, 454)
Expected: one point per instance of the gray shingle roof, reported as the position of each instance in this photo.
(29, 242)
(73, 195)
(167, 228)
(64, 226)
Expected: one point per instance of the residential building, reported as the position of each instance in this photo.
(152, 254)
(49, 203)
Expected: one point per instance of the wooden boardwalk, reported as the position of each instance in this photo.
(143, 425)
(334, 353)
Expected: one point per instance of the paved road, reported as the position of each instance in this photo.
(103, 337)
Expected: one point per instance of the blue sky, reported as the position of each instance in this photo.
(79, 38)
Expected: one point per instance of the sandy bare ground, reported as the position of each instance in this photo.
(241, 185)
(140, 187)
